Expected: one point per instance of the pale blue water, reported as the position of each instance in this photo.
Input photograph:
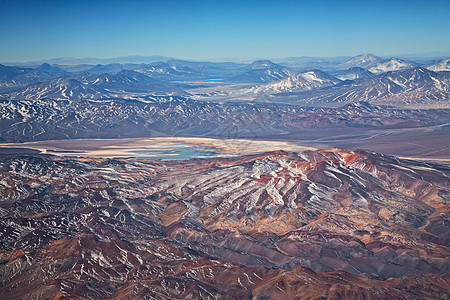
(181, 153)
(211, 80)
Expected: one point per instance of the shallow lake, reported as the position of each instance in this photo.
(179, 153)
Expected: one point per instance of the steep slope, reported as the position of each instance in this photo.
(314, 224)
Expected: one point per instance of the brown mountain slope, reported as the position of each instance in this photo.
(277, 225)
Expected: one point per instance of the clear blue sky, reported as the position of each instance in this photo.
(33, 30)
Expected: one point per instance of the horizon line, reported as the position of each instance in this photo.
(422, 55)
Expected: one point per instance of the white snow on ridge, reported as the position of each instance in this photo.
(297, 82)
(311, 76)
(443, 65)
(392, 64)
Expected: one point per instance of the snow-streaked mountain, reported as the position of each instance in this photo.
(128, 81)
(85, 85)
(417, 86)
(363, 61)
(262, 71)
(377, 64)
(354, 73)
(32, 120)
(392, 64)
(61, 88)
(297, 83)
(443, 65)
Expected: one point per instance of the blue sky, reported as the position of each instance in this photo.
(33, 30)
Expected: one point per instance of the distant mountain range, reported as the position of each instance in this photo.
(94, 61)
(300, 62)
(86, 85)
(365, 77)
(416, 86)
(16, 77)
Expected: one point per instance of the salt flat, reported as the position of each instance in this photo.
(162, 146)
